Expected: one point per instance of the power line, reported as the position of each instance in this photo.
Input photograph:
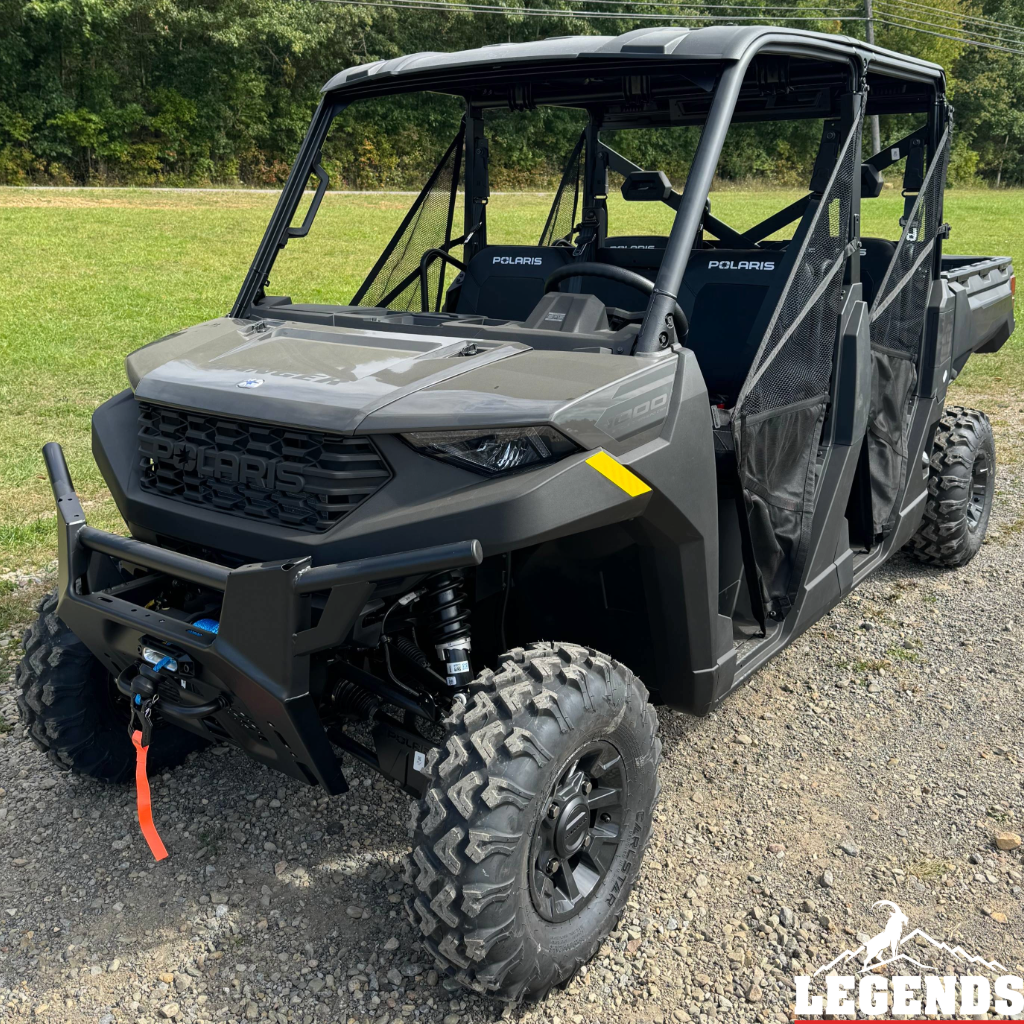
(823, 13)
(972, 36)
(946, 35)
(826, 13)
(672, 15)
(989, 36)
(974, 33)
(575, 13)
(964, 17)
(710, 7)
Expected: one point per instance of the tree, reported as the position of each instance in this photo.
(221, 91)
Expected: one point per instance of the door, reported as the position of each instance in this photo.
(781, 408)
(898, 313)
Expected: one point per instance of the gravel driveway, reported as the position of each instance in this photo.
(876, 759)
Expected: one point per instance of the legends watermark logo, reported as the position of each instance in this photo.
(983, 986)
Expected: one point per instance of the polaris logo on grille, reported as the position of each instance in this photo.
(519, 261)
(285, 476)
(225, 467)
(742, 265)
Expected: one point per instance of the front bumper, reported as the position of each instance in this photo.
(249, 683)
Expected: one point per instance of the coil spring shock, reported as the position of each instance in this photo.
(447, 617)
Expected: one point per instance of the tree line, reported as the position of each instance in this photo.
(219, 92)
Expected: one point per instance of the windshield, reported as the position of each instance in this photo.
(364, 248)
(483, 204)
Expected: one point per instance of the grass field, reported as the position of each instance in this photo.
(86, 276)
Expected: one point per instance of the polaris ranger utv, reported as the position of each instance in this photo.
(447, 527)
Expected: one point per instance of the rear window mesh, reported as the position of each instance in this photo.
(562, 215)
(394, 281)
(897, 331)
(897, 314)
(794, 362)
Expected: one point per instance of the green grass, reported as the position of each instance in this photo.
(86, 276)
(16, 607)
(902, 654)
(930, 870)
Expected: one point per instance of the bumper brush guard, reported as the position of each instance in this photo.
(253, 673)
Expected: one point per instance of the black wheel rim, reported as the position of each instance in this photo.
(979, 491)
(579, 832)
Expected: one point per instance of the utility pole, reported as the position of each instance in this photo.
(876, 137)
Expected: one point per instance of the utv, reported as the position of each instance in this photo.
(351, 526)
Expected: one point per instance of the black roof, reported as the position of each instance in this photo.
(715, 43)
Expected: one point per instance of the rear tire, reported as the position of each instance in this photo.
(961, 486)
(514, 895)
(67, 703)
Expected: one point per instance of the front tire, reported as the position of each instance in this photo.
(961, 486)
(539, 810)
(68, 706)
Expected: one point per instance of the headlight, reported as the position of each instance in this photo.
(496, 451)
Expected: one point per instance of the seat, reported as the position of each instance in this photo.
(640, 253)
(875, 256)
(654, 245)
(505, 282)
(723, 295)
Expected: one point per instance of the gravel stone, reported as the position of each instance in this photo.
(1007, 841)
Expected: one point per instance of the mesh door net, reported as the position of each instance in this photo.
(781, 407)
(394, 281)
(897, 330)
(562, 216)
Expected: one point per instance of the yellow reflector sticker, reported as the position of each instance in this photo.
(618, 474)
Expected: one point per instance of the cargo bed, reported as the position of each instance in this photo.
(982, 288)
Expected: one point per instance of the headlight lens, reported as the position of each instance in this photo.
(496, 451)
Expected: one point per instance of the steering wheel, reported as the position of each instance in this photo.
(623, 276)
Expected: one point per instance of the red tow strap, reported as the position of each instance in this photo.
(144, 800)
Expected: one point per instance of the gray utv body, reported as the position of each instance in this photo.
(727, 476)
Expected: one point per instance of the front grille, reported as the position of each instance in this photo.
(305, 479)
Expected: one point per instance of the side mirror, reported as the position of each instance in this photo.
(871, 182)
(646, 187)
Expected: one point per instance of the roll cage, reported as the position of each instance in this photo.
(711, 77)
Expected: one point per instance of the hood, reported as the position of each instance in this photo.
(317, 377)
(344, 379)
